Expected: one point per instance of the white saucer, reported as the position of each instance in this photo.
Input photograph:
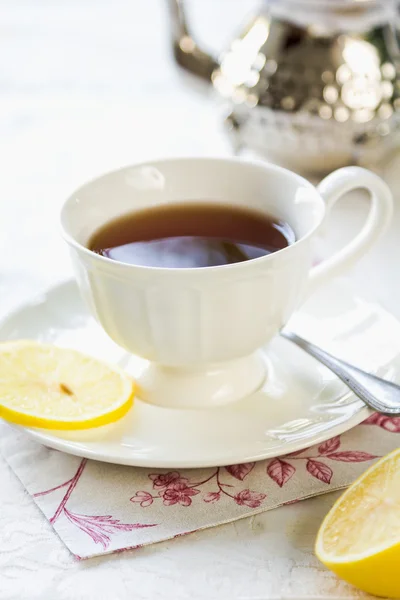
(301, 403)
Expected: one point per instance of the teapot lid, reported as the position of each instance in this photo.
(336, 5)
(354, 14)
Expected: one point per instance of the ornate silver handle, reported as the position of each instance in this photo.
(379, 394)
(187, 53)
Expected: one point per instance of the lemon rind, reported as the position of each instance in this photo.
(333, 559)
(111, 415)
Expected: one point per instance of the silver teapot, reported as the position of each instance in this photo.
(312, 84)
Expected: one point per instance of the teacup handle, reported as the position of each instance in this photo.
(331, 189)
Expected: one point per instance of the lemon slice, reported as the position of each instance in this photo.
(57, 388)
(360, 537)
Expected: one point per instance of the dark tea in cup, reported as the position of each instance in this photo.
(191, 235)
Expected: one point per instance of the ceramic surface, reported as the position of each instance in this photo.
(301, 403)
(201, 327)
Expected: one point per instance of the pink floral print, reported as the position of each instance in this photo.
(391, 424)
(329, 446)
(144, 498)
(178, 492)
(212, 497)
(161, 481)
(280, 470)
(173, 489)
(244, 487)
(240, 471)
(319, 470)
(98, 527)
(248, 498)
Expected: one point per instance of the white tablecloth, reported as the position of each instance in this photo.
(87, 86)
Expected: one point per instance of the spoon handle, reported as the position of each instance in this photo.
(380, 395)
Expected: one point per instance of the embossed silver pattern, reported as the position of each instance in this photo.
(313, 85)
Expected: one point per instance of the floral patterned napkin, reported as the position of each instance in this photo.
(98, 508)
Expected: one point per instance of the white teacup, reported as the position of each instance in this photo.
(201, 328)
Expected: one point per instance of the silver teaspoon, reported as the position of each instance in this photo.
(379, 394)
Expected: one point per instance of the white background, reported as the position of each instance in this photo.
(86, 86)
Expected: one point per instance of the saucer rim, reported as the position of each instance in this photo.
(68, 447)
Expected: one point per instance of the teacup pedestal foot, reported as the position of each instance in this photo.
(201, 387)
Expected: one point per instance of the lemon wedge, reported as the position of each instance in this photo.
(360, 537)
(57, 388)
